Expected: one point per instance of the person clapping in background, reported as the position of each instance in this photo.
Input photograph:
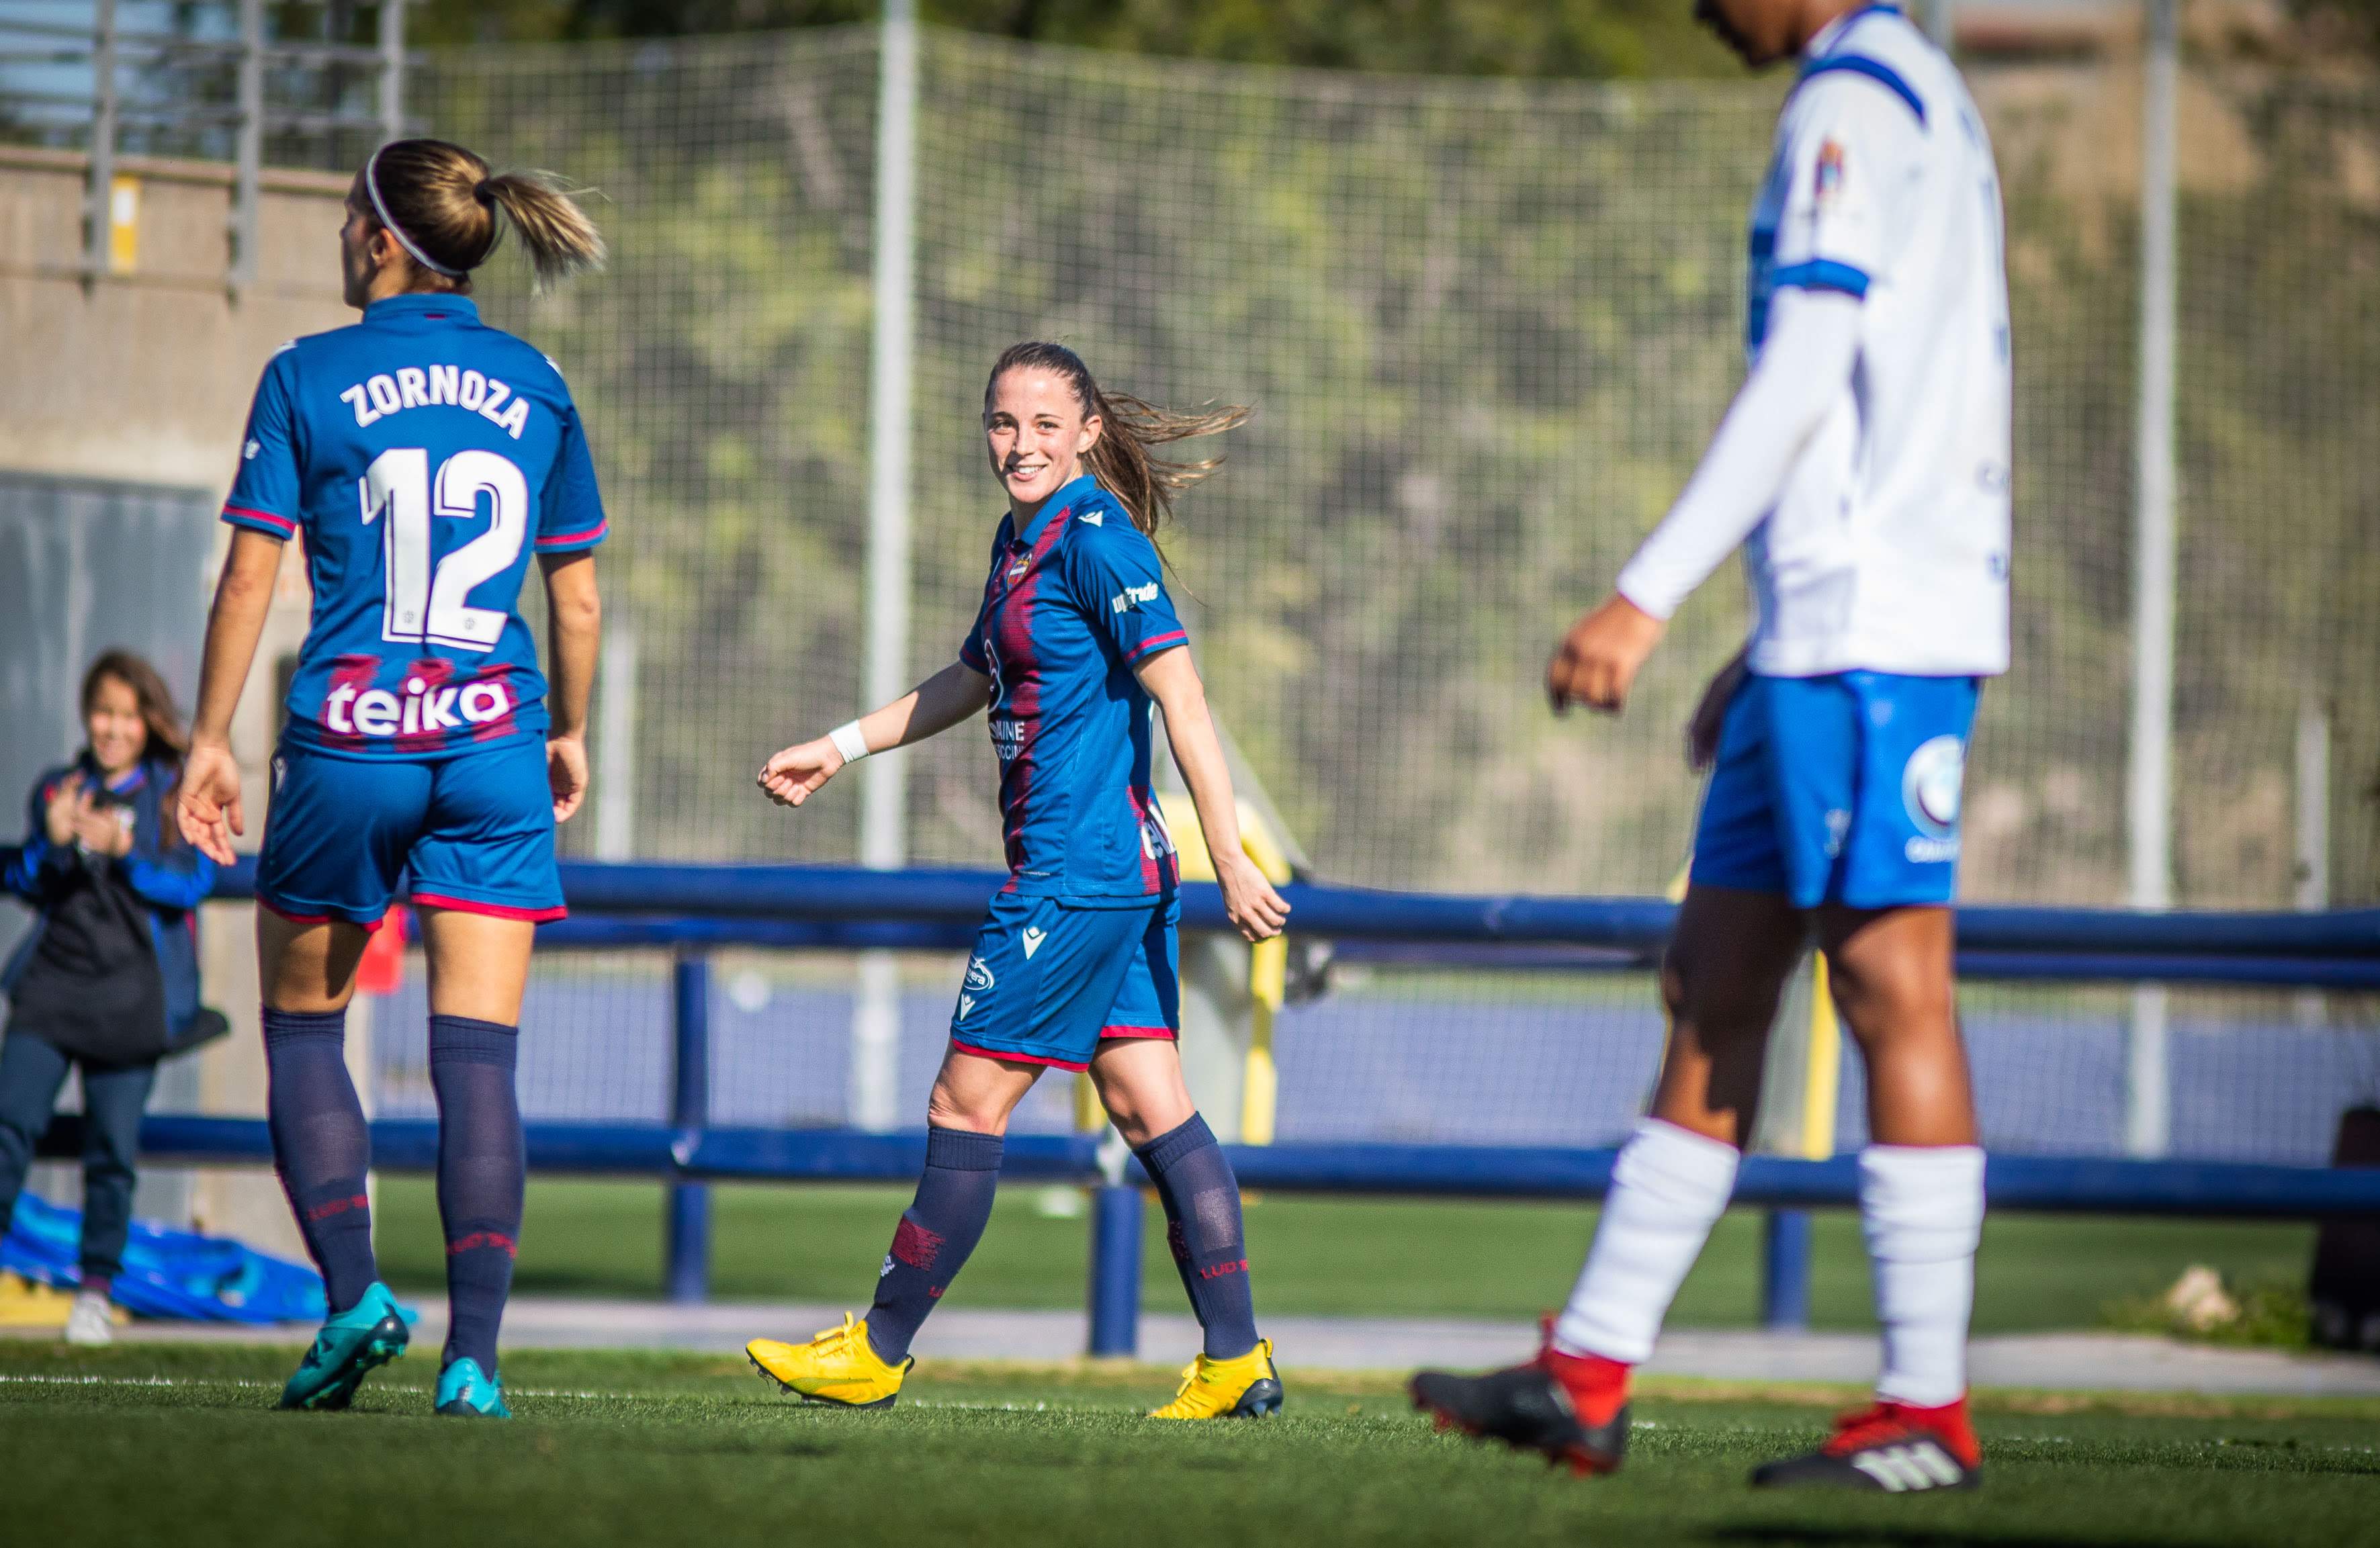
(108, 980)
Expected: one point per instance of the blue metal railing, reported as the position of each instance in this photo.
(694, 910)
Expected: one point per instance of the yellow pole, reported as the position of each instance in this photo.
(1820, 1090)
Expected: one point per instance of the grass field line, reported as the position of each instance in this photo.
(947, 1405)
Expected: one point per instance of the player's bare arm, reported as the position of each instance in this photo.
(1249, 901)
(956, 692)
(209, 806)
(573, 612)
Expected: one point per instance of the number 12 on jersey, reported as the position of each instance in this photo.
(429, 602)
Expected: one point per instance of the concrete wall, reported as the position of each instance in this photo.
(143, 377)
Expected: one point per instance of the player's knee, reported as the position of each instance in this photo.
(1719, 1005)
(948, 1109)
(1890, 994)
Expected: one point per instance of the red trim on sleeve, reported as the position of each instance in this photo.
(1162, 642)
(588, 538)
(245, 515)
(1011, 1056)
(493, 911)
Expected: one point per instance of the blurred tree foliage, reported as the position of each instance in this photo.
(1488, 328)
(1589, 39)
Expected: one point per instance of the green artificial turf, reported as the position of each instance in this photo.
(181, 1444)
(1318, 1256)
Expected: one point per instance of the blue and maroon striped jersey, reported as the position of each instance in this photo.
(424, 456)
(1074, 604)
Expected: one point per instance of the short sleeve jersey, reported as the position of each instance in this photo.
(1074, 604)
(1887, 550)
(422, 457)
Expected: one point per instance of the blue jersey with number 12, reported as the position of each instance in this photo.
(424, 456)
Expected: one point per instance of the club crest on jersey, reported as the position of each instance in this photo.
(426, 708)
(1016, 571)
(1930, 786)
(1827, 178)
(978, 976)
(377, 397)
(1032, 938)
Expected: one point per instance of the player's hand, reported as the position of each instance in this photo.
(566, 774)
(208, 807)
(1597, 661)
(1249, 901)
(65, 807)
(1710, 715)
(796, 774)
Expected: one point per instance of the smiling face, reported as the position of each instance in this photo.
(118, 735)
(1036, 433)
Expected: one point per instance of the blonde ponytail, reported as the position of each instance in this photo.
(559, 239)
(441, 203)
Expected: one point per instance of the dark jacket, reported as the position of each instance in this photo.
(164, 883)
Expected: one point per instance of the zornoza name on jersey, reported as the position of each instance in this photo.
(387, 393)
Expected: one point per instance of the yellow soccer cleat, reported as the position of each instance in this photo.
(1247, 1388)
(838, 1366)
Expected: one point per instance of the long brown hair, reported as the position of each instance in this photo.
(1122, 460)
(168, 743)
(441, 203)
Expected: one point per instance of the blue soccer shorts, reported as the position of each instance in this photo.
(1049, 979)
(473, 831)
(1842, 788)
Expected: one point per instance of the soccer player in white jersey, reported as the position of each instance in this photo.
(1864, 467)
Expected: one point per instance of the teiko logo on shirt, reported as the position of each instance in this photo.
(1930, 786)
(424, 708)
(1033, 938)
(1132, 596)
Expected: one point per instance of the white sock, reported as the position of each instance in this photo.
(1667, 1189)
(1923, 1211)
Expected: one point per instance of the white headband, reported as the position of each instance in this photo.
(371, 187)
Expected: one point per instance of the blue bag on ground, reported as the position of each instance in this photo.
(166, 1273)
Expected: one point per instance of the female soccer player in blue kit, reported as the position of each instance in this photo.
(1075, 965)
(421, 456)
(1865, 469)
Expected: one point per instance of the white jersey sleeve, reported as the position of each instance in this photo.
(1847, 147)
(1870, 496)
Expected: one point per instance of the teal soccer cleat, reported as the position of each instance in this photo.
(352, 1344)
(467, 1392)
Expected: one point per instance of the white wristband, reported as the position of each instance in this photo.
(848, 741)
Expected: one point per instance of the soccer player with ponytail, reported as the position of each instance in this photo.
(423, 456)
(1075, 965)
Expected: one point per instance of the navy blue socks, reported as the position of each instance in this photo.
(320, 1146)
(936, 1234)
(482, 1170)
(1202, 1225)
